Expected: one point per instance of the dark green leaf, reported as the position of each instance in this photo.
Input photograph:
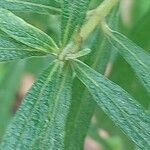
(23, 32)
(134, 55)
(117, 104)
(13, 54)
(38, 6)
(73, 15)
(40, 121)
(83, 107)
(79, 117)
(10, 49)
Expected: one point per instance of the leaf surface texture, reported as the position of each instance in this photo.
(73, 15)
(117, 104)
(25, 33)
(31, 6)
(11, 49)
(134, 55)
(40, 121)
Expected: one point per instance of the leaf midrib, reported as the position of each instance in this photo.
(48, 112)
(56, 103)
(68, 23)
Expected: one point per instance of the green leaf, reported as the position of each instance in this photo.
(73, 15)
(82, 105)
(23, 32)
(79, 117)
(134, 55)
(56, 3)
(38, 6)
(40, 121)
(13, 54)
(10, 49)
(117, 104)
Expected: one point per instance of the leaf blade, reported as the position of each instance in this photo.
(117, 104)
(83, 107)
(134, 55)
(73, 15)
(37, 116)
(29, 6)
(17, 54)
(10, 49)
(25, 33)
(79, 117)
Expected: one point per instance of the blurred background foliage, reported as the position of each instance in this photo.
(17, 77)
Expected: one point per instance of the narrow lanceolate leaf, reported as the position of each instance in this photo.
(40, 121)
(117, 104)
(134, 55)
(29, 6)
(13, 54)
(10, 49)
(73, 15)
(23, 32)
(54, 3)
(83, 107)
(79, 117)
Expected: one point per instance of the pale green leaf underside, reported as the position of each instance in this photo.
(73, 15)
(134, 55)
(23, 32)
(117, 104)
(10, 49)
(40, 121)
(29, 6)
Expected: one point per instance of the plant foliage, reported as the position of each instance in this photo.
(56, 112)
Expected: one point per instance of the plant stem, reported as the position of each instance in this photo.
(97, 15)
(105, 28)
(94, 18)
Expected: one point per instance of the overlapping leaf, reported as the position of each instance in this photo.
(79, 117)
(73, 15)
(134, 55)
(10, 49)
(117, 104)
(40, 121)
(38, 6)
(83, 106)
(23, 32)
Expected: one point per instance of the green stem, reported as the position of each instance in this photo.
(105, 28)
(97, 15)
(94, 18)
